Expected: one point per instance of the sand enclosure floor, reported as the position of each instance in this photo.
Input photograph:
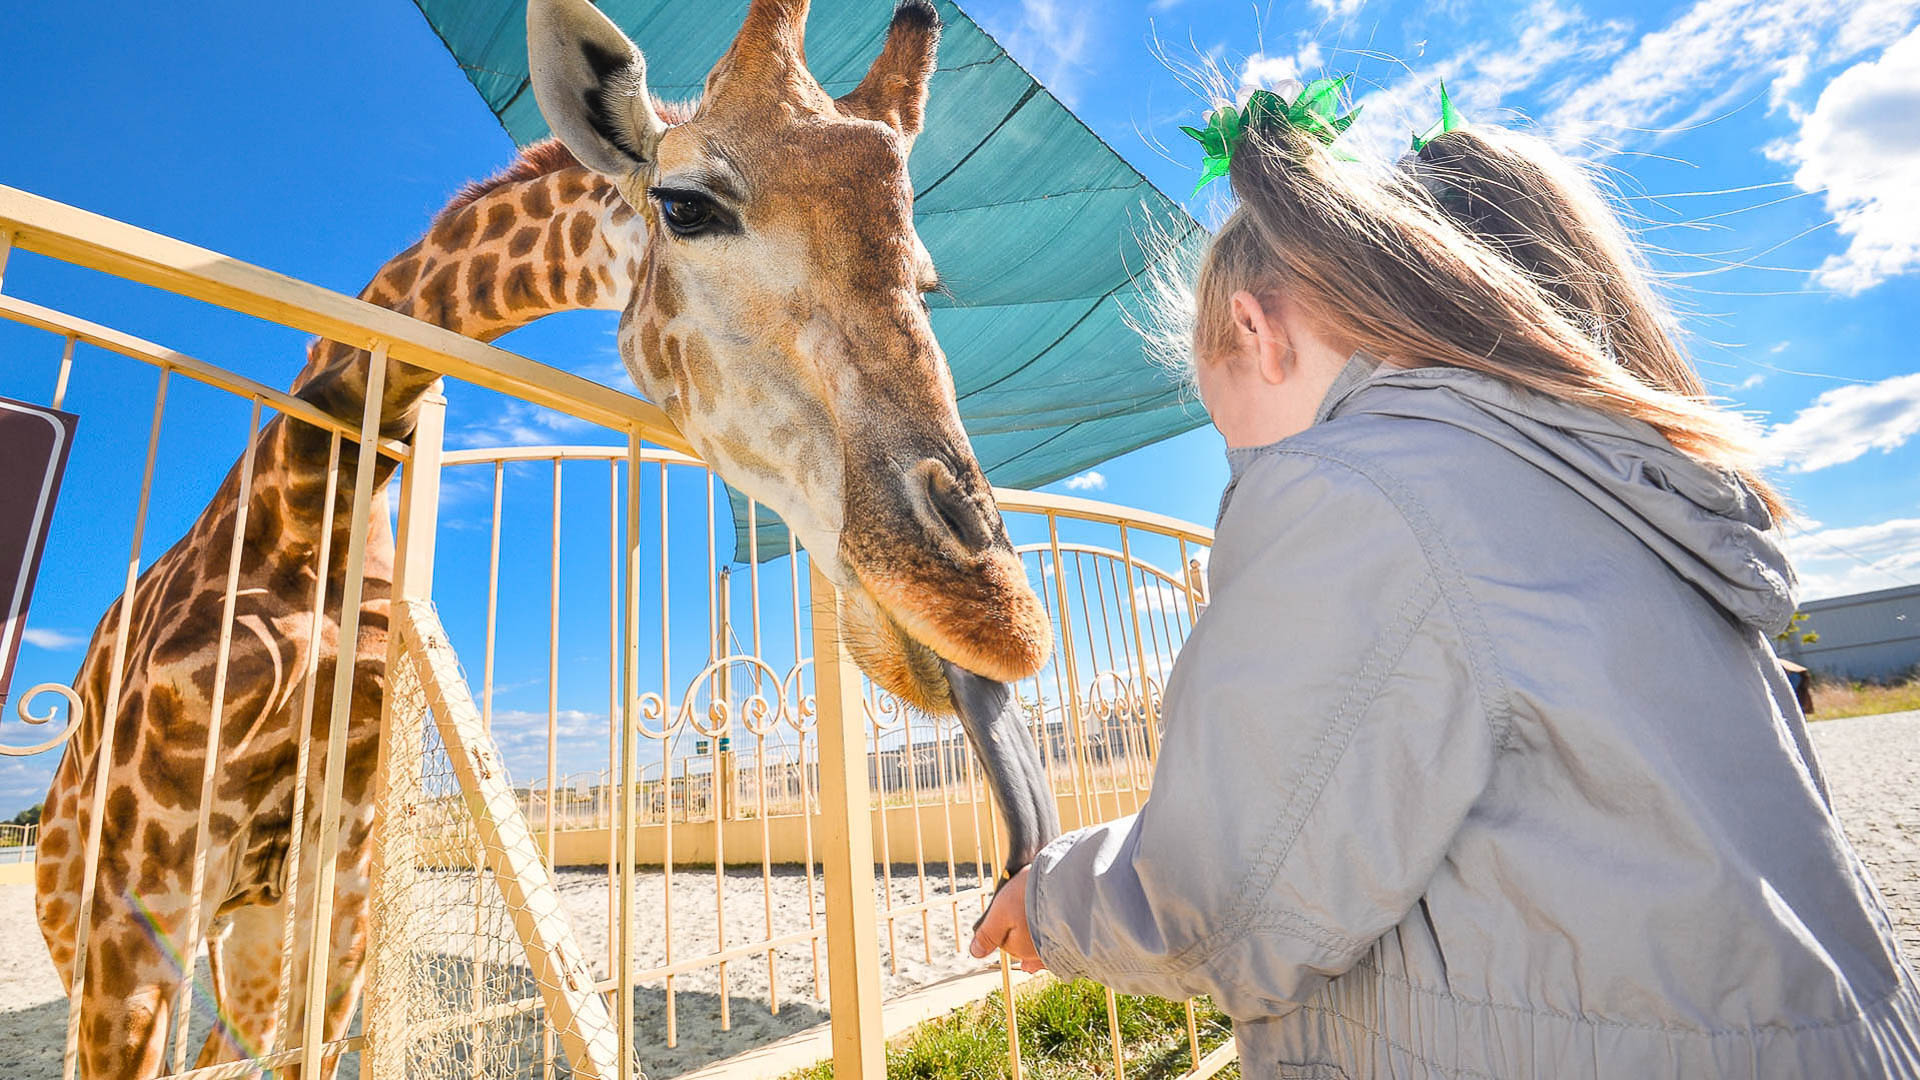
(33, 1012)
(1872, 766)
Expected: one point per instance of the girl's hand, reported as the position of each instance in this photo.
(1005, 926)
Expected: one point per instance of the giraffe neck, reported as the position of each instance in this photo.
(492, 262)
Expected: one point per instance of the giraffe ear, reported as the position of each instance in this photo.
(894, 91)
(591, 83)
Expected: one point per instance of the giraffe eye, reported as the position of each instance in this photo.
(687, 216)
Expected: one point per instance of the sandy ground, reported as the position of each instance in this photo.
(1872, 766)
(33, 1012)
(1873, 770)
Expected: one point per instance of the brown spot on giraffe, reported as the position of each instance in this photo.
(537, 203)
(519, 293)
(499, 220)
(483, 286)
(580, 233)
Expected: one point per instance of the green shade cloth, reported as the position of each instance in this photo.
(1033, 221)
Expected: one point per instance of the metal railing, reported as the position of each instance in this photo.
(17, 842)
(588, 589)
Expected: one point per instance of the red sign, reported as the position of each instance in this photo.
(34, 441)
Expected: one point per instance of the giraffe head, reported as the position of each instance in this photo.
(778, 316)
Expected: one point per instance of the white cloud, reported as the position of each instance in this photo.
(1713, 56)
(1156, 596)
(519, 423)
(1051, 41)
(1838, 562)
(531, 724)
(56, 640)
(1860, 145)
(1751, 381)
(1338, 9)
(1542, 40)
(1846, 422)
(1262, 71)
(1087, 481)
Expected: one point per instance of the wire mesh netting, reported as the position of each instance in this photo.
(451, 994)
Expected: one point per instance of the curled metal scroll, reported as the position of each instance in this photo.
(27, 715)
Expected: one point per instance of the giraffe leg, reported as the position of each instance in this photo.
(129, 993)
(345, 964)
(245, 959)
(346, 972)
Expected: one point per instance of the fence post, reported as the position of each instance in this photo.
(853, 947)
(397, 778)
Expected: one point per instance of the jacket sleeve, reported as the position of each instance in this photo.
(1325, 733)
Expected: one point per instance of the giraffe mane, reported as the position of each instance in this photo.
(548, 155)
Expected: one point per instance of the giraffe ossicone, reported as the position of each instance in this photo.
(761, 249)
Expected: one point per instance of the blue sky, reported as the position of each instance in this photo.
(1767, 148)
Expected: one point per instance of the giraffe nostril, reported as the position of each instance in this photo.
(949, 508)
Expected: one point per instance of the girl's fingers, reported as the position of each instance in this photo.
(993, 931)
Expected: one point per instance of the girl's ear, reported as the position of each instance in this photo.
(1263, 337)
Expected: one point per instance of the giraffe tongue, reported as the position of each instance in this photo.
(1006, 750)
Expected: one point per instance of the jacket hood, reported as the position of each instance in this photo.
(1704, 523)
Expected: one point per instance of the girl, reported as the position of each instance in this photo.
(1479, 763)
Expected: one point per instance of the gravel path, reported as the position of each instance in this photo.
(1872, 766)
(1873, 770)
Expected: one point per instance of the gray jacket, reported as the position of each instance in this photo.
(1480, 765)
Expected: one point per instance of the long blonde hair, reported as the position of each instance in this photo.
(1487, 251)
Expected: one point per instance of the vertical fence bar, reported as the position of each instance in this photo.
(667, 720)
(109, 720)
(477, 942)
(189, 945)
(853, 950)
(806, 789)
(613, 706)
(66, 372)
(1063, 651)
(304, 751)
(314, 1029)
(397, 775)
(629, 752)
(553, 719)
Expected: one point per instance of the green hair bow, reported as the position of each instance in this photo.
(1313, 110)
(1450, 120)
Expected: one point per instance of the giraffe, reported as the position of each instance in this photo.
(759, 245)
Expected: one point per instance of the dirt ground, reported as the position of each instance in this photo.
(1872, 765)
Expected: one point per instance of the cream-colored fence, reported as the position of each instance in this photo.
(726, 816)
(17, 842)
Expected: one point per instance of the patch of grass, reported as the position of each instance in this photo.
(1834, 698)
(1063, 1034)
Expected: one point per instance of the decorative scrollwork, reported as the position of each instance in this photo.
(1110, 696)
(653, 707)
(757, 714)
(802, 710)
(27, 715)
(885, 712)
